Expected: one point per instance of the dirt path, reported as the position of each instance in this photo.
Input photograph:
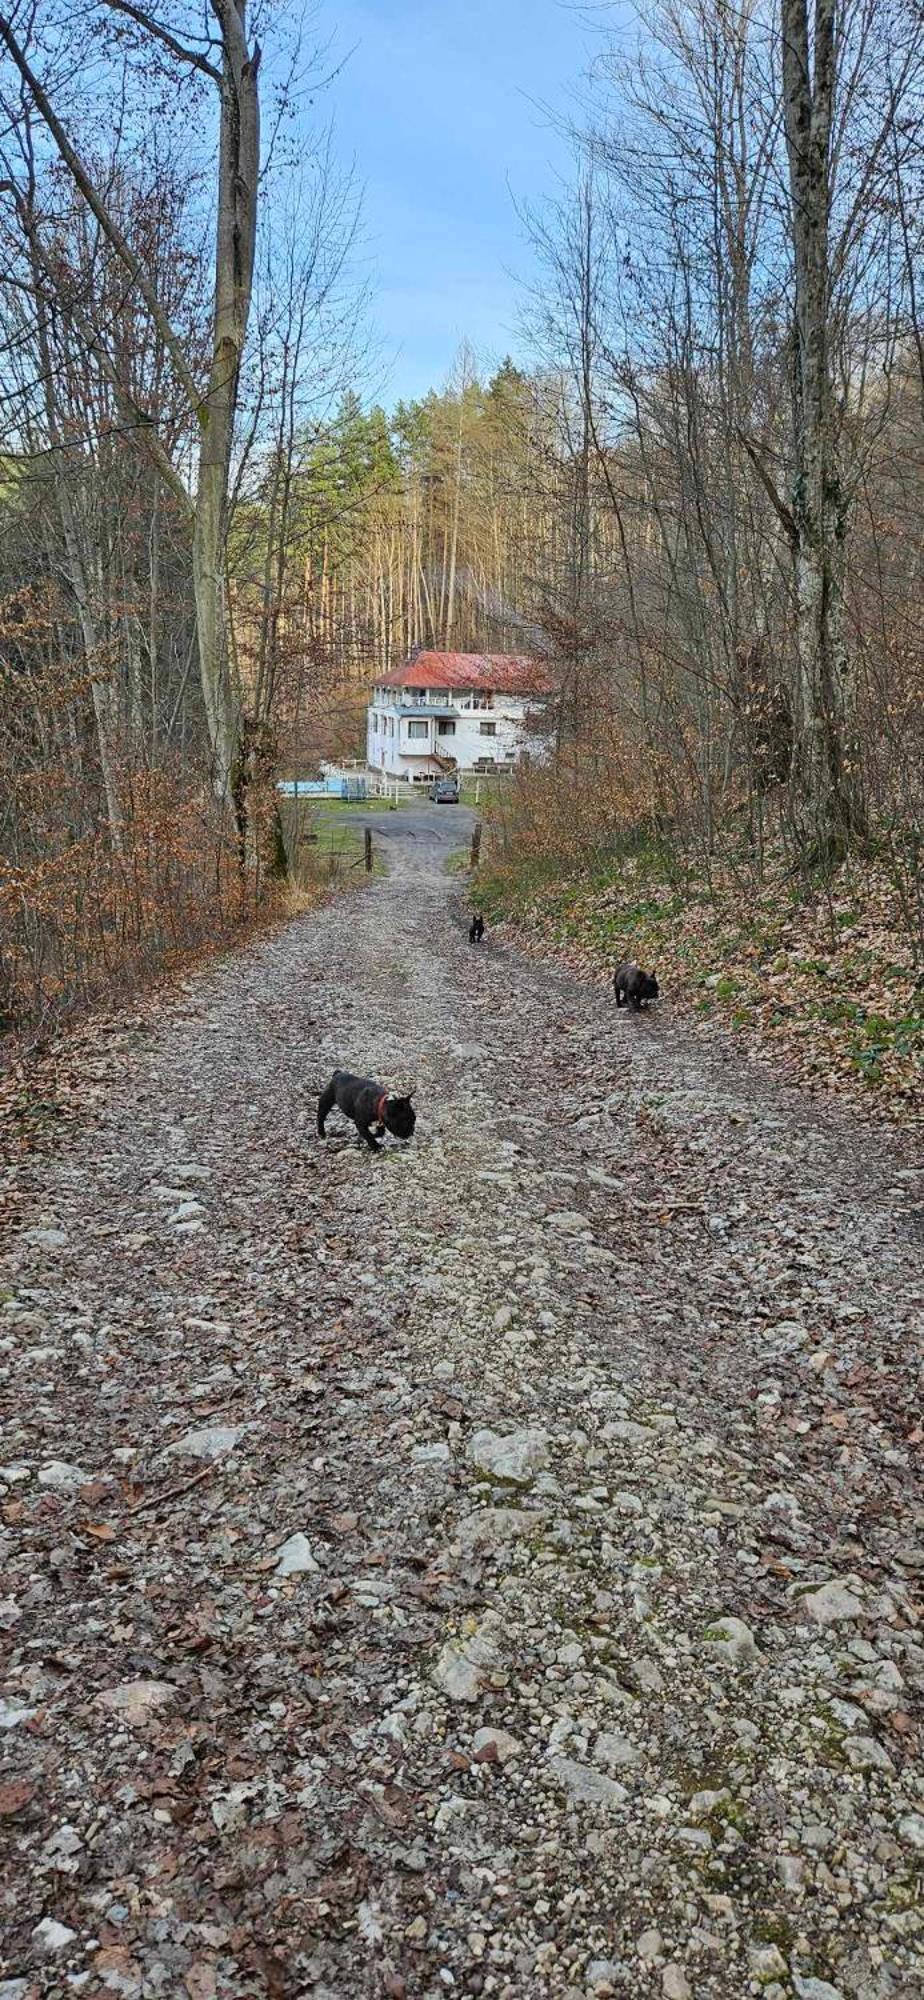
(595, 1412)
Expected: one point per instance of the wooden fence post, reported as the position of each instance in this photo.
(367, 843)
(476, 845)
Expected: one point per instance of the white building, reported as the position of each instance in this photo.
(458, 711)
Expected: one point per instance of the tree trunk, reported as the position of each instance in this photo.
(818, 505)
(238, 171)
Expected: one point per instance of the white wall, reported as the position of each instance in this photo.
(496, 732)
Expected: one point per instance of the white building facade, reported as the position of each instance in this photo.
(444, 712)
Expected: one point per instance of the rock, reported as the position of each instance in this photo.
(15, 1475)
(137, 1701)
(732, 1641)
(51, 1937)
(622, 1430)
(675, 1984)
(14, 1713)
(295, 1558)
(495, 1527)
(16, 1989)
(832, 1604)
(767, 1963)
(617, 1753)
(495, 1746)
(514, 1459)
(431, 1454)
(62, 1478)
(465, 1665)
(570, 1221)
(215, 1441)
(61, 1852)
(647, 1676)
(47, 1239)
(601, 1972)
(650, 1946)
(815, 1989)
(865, 1754)
(585, 1785)
(911, 1830)
(626, 1503)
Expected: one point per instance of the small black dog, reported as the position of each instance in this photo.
(367, 1104)
(633, 987)
(476, 928)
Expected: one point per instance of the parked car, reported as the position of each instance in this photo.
(445, 792)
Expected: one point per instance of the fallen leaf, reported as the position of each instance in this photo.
(14, 1795)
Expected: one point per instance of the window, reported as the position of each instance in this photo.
(487, 728)
(417, 729)
(444, 727)
(483, 700)
(439, 697)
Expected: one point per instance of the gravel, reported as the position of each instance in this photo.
(598, 1667)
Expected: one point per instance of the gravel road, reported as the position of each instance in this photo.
(489, 1568)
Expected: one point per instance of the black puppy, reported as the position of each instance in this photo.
(367, 1104)
(476, 928)
(633, 987)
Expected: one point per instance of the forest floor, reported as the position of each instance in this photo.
(820, 977)
(489, 1568)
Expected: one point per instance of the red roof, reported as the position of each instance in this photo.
(504, 673)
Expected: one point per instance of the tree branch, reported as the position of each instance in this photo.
(775, 498)
(110, 229)
(153, 28)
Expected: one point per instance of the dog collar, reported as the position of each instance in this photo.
(380, 1107)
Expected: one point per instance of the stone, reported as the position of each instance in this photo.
(815, 1989)
(431, 1454)
(585, 1785)
(675, 1984)
(215, 1441)
(465, 1665)
(495, 1527)
(617, 1752)
(15, 1989)
(626, 1503)
(647, 1676)
(514, 1459)
(622, 1430)
(570, 1221)
(137, 1701)
(911, 1830)
(14, 1713)
(865, 1754)
(732, 1641)
(495, 1745)
(295, 1558)
(650, 1945)
(767, 1963)
(61, 1851)
(601, 1972)
(51, 1937)
(832, 1604)
(62, 1478)
(47, 1239)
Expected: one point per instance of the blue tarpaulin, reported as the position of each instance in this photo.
(337, 785)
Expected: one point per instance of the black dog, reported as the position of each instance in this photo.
(476, 928)
(633, 987)
(367, 1104)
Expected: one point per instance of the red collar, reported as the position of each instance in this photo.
(380, 1108)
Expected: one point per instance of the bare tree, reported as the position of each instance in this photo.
(230, 62)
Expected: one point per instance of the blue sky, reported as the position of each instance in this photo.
(439, 107)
